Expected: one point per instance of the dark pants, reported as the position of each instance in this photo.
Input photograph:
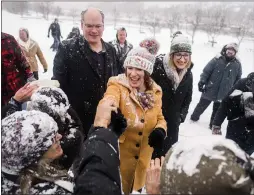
(201, 107)
(56, 43)
(36, 75)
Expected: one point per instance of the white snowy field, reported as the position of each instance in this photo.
(202, 53)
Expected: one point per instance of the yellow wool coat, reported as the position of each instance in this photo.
(135, 152)
(31, 53)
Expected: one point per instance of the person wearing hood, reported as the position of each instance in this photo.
(54, 102)
(218, 77)
(74, 33)
(139, 99)
(202, 165)
(173, 73)
(29, 145)
(121, 45)
(31, 49)
(238, 107)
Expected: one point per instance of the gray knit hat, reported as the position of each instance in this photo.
(207, 165)
(180, 43)
(26, 136)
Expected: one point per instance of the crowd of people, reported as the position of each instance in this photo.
(108, 121)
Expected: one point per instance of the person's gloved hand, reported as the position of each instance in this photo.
(45, 70)
(216, 130)
(118, 122)
(61, 36)
(48, 35)
(157, 137)
(201, 86)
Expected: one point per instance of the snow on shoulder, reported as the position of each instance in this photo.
(236, 93)
(186, 155)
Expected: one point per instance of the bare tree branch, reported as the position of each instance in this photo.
(57, 11)
(153, 21)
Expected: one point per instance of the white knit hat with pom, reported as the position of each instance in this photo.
(143, 57)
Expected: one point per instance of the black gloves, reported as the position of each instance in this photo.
(48, 35)
(45, 70)
(201, 86)
(118, 122)
(156, 138)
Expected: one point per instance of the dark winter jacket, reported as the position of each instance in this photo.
(80, 78)
(55, 29)
(240, 128)
(175, 103)
(219, 76)
(98, 171)
(15, 68)
(121, 52)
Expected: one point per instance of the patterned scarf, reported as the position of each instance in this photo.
(146, 100)
(171, 72)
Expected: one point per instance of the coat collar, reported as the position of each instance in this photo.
(85, 48)
(122, 80)
(27, 45)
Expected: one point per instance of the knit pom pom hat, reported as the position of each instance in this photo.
(143, 57)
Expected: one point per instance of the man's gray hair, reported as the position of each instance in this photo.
(83, 13)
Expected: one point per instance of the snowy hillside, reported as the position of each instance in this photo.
(202, 53)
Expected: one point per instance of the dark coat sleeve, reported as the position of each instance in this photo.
(98, 171)
(208, 70)
(221, 114)
(10, 109)
(49, 28)
(60, 68)
(187, 100)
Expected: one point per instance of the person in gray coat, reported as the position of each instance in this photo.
(218, 77)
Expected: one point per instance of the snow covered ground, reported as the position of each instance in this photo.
(202, 53)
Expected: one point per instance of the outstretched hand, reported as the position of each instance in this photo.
(153, 174)
(103, 113)
(24, 93)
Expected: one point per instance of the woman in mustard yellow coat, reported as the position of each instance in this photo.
(139, 99)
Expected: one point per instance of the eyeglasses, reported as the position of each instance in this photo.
(97, 26)
(179, 56)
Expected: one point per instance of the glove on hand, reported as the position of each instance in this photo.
(156, 138)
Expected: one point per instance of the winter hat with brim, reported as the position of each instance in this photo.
(180, 43)
(143, 57)
(51, 100)
(198, 166)
(26, 136)
(234, 46)
(25, 30)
